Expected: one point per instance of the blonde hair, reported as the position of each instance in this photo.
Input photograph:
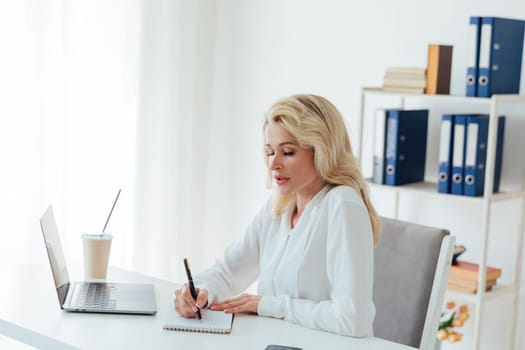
(317, 124)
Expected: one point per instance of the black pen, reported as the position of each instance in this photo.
(192, 287)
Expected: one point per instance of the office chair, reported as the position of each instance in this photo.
(411, 265)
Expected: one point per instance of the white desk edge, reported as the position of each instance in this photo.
(29, 312)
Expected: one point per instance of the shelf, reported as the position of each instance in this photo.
(448, 98)
(511, 98)
(430, 189)
(497, 291)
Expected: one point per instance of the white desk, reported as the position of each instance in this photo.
(29, 312)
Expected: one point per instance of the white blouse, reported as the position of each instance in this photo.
(318, 274)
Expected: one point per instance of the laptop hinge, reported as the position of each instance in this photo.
(62, 292)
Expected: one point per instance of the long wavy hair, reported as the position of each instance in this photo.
(317, 124)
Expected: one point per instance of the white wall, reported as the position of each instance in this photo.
(268, 49)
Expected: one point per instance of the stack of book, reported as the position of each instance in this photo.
(463, 277)
(405, 79)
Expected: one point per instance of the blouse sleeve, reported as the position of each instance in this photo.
(239, 266)
(350, 310)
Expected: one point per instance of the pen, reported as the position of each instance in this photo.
(192, 287)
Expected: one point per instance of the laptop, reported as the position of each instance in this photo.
(119, 298)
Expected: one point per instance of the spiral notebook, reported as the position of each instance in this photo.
(211, 322)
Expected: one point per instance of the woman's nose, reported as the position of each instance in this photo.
(275, 163)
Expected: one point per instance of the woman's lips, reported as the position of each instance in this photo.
(281, 180)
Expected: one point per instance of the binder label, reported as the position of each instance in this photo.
(473, 42)
(459, 139)
(472, 144)
(484, 48)
(391, 142)
(444, 143)
(379, 147)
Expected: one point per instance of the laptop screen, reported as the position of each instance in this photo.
(55, 253)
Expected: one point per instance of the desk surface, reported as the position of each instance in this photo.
(29, 312)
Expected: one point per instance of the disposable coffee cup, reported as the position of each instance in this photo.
(96, 255)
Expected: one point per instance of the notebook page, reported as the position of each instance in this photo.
(211, 322)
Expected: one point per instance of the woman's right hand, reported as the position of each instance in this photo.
(185, 305)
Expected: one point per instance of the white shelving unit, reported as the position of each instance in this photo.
(373, 98)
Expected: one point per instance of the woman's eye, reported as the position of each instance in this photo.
(269, 154)
(289, 153)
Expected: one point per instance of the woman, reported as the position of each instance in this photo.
(311, 245)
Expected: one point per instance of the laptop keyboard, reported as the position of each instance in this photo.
(97, 295)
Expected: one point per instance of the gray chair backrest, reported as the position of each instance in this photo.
(405, 263)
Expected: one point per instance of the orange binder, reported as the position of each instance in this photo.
(438, 69)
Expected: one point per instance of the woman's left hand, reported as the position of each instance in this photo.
(243, 303)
